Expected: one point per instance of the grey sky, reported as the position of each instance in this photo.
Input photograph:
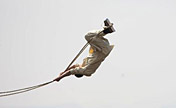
(39, 38)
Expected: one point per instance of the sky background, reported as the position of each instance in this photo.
(39, 38)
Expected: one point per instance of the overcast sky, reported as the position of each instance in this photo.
(39, 38)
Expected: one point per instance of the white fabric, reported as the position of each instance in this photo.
(101, 49)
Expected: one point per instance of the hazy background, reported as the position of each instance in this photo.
(39, 38)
